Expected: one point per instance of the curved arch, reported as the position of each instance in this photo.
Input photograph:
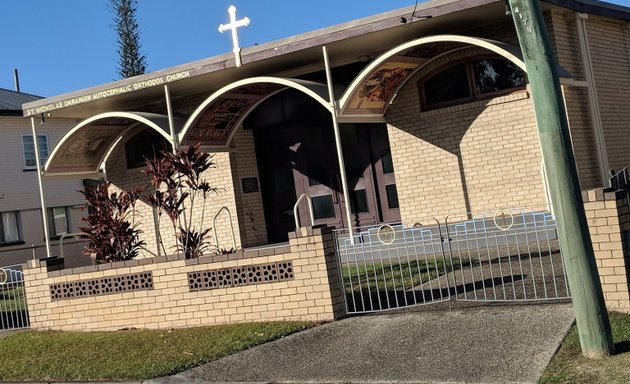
(97, 145)
(247, 95)
(507, 51)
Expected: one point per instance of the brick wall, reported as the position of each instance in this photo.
(565, 42)
(219, 177)
(608, 216)
(609, 42)
(250, 205)
(582, 136)
(310, 290)
(471, 157)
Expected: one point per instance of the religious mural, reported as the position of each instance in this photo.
(85, 149)
(216, 123)
(380, 86)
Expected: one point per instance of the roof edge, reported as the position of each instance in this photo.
(594, 7)
(291, 44)
(260, 52)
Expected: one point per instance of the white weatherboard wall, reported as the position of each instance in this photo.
(19, 186)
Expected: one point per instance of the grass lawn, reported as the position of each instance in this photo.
(569, 366)
(12, 299)
(399, 275)
(127, 355)
(386, 285)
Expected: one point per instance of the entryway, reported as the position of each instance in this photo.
(296, 154)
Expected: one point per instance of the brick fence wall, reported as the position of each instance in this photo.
(295, 282)
(608, 217)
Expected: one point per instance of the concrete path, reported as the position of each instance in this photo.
(496, 344)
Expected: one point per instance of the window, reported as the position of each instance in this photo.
(29, 150)
(392, 196)
(59, 224)
(358, 201)
(323, 207)
(451, 84)
(494, 75)
(469, 81)
(9, 228)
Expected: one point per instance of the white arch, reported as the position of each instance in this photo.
(509, 52)
(319, 92)
(155, 121)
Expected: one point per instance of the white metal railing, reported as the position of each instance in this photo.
(504, 255)
(214, 227)
(310, 210)
(13, 310)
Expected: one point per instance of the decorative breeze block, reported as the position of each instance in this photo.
(239, 276)
(103, 286)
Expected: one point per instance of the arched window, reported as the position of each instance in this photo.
(467, 81)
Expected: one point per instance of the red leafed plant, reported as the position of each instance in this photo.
(177, 179)
(112, 236)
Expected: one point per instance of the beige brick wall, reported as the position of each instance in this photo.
(220, 176)
(582, 136)
(314, 294)
(608, 216)
(251, 214)
(609, 42)
(562, 28)
(609, 45)
(478, 156)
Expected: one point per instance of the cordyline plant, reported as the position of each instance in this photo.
(112, 236)
(177, 179)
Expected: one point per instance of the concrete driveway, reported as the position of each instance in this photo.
(495, 344)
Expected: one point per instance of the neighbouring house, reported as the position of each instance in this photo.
(21, 224)
(434, 112)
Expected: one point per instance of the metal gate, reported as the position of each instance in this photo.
(506, 255)
(13, 310)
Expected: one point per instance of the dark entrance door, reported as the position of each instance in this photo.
(383, 170)
(301, 157)
(296, 158)
(361, 183)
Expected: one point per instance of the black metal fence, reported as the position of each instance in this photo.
(71, 251)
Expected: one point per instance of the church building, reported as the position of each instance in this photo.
(417, 113)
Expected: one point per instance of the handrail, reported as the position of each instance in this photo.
(310, 210)
(67, 235)
(214, 227)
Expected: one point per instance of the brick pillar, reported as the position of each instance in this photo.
(316, 249)
(608, 217)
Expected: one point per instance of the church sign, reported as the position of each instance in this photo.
(113, 91)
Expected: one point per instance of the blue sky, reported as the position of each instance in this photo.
(64, 45)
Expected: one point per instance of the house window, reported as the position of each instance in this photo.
(29, 150)
(9, 228)
(471, 80)
(59, 223)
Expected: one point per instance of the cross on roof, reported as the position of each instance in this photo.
(233, 25)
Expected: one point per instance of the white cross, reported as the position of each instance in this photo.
(233, 25)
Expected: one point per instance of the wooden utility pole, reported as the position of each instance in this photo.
(575, 241)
